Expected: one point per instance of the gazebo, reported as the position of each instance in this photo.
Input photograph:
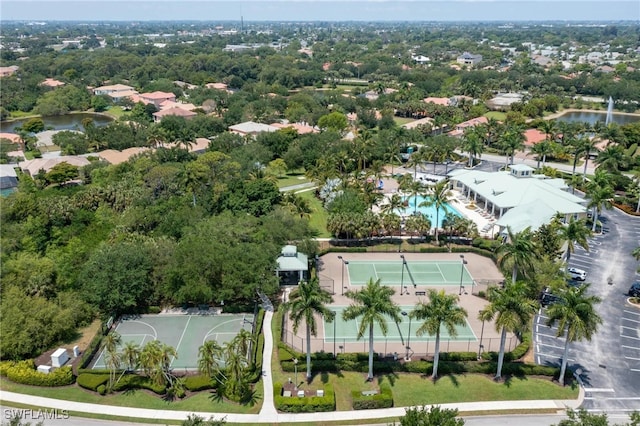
(293, 266)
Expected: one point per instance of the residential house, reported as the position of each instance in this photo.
(52, 82)
(112, 156)
(8, 177)
(113, 89)
(503, 101)
(420, 59)
(8, 71)
(176, 111)
(33, 167)
(469, 59)
(251, 128)
(458, 131)
(156, 98)
(437, 101)
(301, 128)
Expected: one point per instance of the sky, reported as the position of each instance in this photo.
(320, 10)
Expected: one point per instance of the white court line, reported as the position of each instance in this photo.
(599, 390)
(375, 271)
(184, 330)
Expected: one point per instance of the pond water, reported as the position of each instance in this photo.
(61, 122)
(593, 116)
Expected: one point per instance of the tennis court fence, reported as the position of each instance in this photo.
(389, 347)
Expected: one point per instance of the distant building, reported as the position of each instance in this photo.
(503, 101)
(8, 177)
(459, 129)
(8, 71)
(420, 59)
(156, 98)
(469, 59)
(112, 89)
(51, 82)
(180, 112)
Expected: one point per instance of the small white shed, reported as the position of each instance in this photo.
(59, 357)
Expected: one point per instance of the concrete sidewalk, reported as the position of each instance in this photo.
(268, 413)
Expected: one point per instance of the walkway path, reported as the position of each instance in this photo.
(268, 413)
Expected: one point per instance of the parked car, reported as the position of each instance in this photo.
(548, 298)
(577, 274)
(634, 290)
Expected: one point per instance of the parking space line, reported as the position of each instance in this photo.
(549, 346)
(556, 357)
(630, 328)
(599, 390)
(632, 313)
(551, 335)
(630, 357)
(629, 337)
(629, 319)
(630, 347)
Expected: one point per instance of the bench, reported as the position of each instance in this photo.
(421, 293)
(369, 393)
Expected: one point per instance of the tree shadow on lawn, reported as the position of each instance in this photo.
(390, 377)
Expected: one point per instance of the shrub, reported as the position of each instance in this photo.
(383, 399)
(102, 390)
(310, 404)
(154, 310)
(24, 372)
(92, 381)
(458, 356)
(198, 383)
(133, 381)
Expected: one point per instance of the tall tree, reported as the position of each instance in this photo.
(576, 317)
(439, 197)
(599, 196)
(209, 358)
(519, 251)
(305, 302)
(572, 233)
(372, 305)
(442, 309)
(512, 311)
(473, 142)
(112, 357)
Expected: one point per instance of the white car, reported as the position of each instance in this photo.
(577, 274)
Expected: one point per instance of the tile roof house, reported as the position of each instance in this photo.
(437, 101)
(459, 129)
(171, 104)
(52, 82)
(157, 98)
(180, 112)
(251, 128)
(533, 136)
(8, 71)
(112, 156)
(14, 138)
(302, 129)
(32, 167)
(8, 176)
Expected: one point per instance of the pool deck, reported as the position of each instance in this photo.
(485, 222)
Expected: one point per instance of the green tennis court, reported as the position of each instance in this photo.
(185, 333)
(396, 273)
(347, 331)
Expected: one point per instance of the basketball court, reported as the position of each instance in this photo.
(185, 333)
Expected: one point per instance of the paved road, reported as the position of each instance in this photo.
(610, 363)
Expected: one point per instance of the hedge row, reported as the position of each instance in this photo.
(384, 399)
(133, 381)
(517, 353)
(198, 383)
(25, 372)
(257, 348)
(310, 404)
(92, 381)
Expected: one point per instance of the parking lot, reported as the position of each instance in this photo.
(609, 365)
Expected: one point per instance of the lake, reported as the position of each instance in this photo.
(60, 122)
(593, 116)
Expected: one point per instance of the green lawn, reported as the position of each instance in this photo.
(292, 179)
(198, 402)
(318, 217)
(500, 116)
(402, 120)
(115, 112)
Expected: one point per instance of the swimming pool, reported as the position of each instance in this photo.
(430, 212)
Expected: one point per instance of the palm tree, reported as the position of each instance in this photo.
(473, 142)
(599, 196)
(372, 305)
(131, 355)
(512, 311)
(572, 233)
(511, 140)
(519, 249)
(541, 150)
(112, 357)
(442, 309)
(394, 205)
(636, 253)
(439, 197)
(417, 224)
(612, 158)
(243, 341)
(307, 300)
(209, 357)
(576, 317)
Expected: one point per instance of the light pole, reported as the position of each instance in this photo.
(344, 262)
(464, 262)
(402, 289)
(408, 347)
(334, 337)
(480, 347)
(295, 374)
